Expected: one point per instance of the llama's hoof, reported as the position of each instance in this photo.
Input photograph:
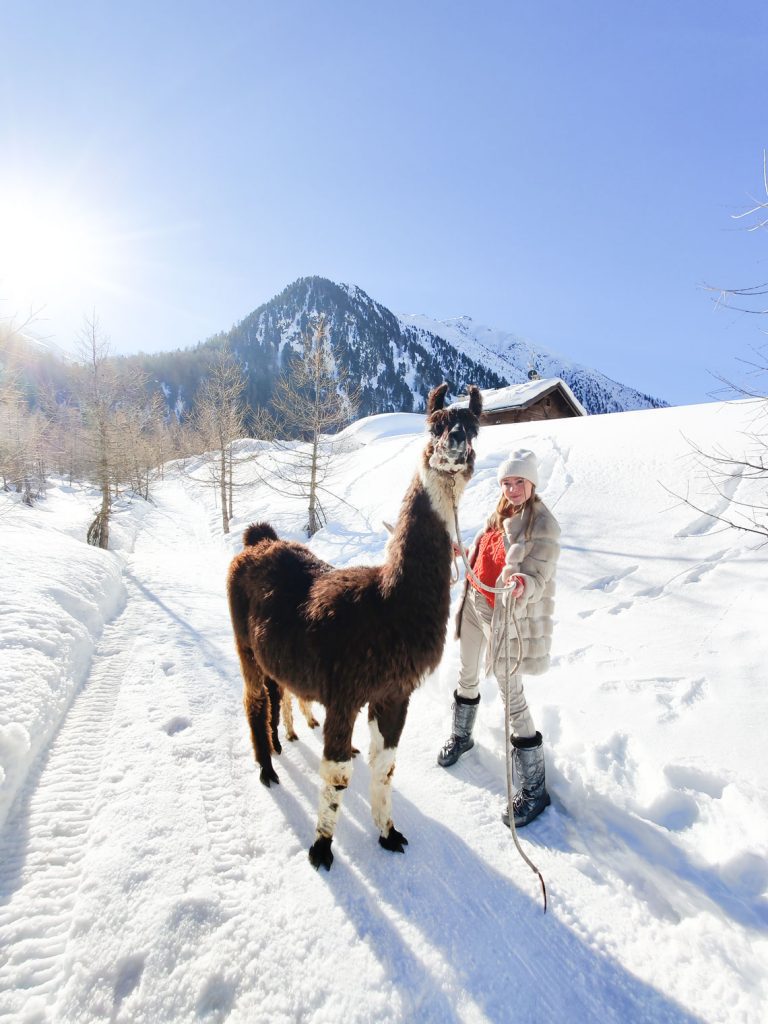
(313, 724)
(291, 737)
(268, 775)
(355, 751)
(277, 747)
(394, 841)
(320, 853)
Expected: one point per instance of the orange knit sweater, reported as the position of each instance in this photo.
(489, 562)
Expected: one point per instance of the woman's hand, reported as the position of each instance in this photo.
(457, 550)
(516, 585)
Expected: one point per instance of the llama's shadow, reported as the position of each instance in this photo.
(421, 994)
(440, 913)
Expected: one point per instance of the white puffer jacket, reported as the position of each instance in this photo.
(535, 559)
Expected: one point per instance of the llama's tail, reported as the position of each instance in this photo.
(256, 533)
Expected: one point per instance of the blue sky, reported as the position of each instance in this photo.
(567, 171)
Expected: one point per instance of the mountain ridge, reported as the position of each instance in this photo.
(514, 357)
(397, 358)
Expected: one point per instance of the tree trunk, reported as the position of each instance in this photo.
(223, 490)
(105, 510)
(102, 534)
(231, 484)
(313, 525)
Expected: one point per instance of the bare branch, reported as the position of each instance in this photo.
(760, 531)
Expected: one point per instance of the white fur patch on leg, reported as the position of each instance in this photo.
(335, 777)
(382, 762)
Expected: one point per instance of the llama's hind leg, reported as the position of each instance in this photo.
(335, 773)
(306, 710)
(274, 713)
(386, 725)
(256, 702)
(286, 706)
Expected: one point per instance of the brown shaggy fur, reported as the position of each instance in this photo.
(354, 636)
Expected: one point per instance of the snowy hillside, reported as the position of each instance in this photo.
(147, 876)
(512, 357)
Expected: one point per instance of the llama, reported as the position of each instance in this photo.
(354, 636)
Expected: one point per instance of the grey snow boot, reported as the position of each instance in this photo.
(460, 740)
(532, 797)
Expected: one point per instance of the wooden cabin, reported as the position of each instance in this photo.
(539, 399)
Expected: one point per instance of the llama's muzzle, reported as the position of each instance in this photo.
(453, 449)
(458, 443)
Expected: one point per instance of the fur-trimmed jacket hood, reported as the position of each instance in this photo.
(535, 559)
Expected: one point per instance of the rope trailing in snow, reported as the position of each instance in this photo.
(509, 613)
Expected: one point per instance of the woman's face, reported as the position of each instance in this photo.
(516, 489)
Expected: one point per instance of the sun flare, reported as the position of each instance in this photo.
(48, 248)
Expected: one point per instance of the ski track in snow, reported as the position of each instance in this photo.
(54, 810)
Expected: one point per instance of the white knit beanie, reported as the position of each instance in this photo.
(520, 463)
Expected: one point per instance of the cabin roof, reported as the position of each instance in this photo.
(522, 396)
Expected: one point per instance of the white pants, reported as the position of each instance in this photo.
(475, 635)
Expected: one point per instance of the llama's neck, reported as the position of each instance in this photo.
(419, 554)
(444, 491)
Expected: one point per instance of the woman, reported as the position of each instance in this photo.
(518, 549)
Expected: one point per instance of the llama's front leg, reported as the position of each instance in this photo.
(335, 773)
(386, 724)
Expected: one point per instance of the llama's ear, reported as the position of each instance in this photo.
(475, 400)
(436, 399)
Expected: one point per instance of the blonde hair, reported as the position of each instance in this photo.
(504, 509)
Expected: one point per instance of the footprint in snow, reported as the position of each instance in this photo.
(685, 777)
(129, 972)
(695, 575)
(568, 659)
(690, 576)
(675, 695)
(176, 724)
(216, 999)
(674, 811)
(609, 583)
(680, 806)
(622, 606)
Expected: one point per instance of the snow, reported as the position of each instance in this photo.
(385, 424)
(146, 875)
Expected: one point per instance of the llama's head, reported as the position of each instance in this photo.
(452, 431)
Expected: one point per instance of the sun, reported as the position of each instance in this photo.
(48, 249)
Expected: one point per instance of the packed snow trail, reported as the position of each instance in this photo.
(146, 875)
(180, 887)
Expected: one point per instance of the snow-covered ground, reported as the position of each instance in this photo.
(147, 876)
